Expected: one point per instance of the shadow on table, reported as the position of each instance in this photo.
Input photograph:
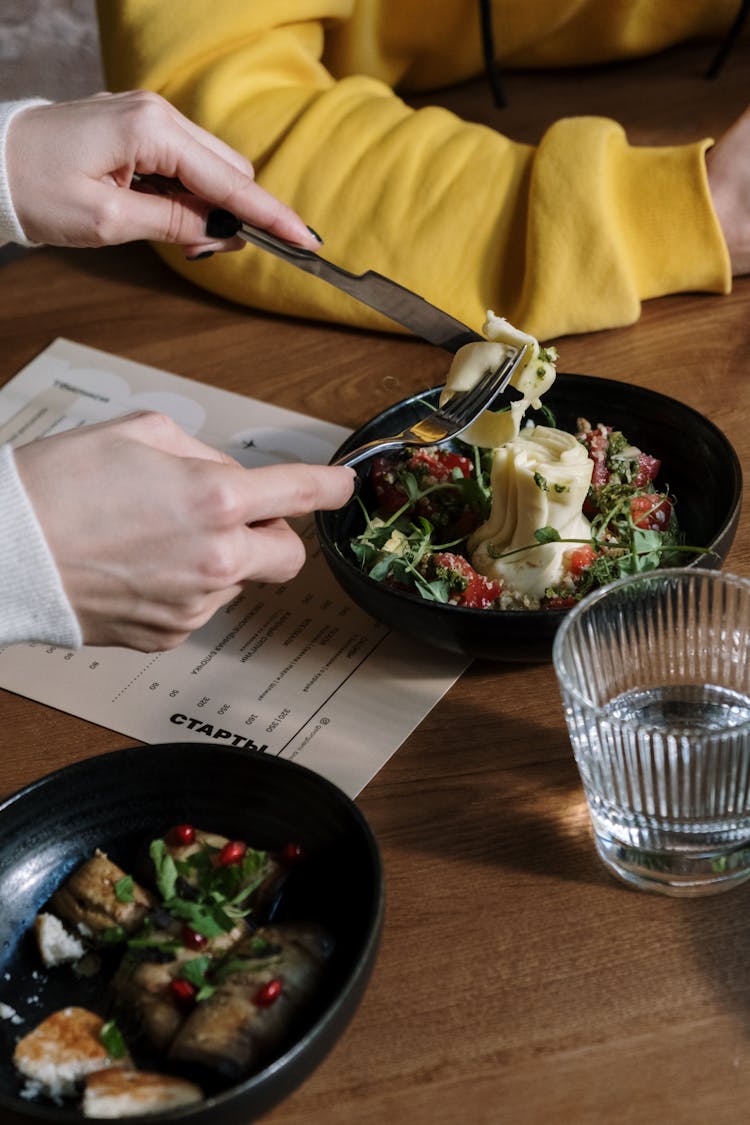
(497, 781)
(498, 787)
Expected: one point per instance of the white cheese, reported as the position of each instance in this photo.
(539, 479)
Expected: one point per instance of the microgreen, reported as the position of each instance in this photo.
(396, 549)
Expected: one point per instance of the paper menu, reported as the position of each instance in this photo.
(296, 670)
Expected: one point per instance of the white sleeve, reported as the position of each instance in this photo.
(10, 228)
(33, 602)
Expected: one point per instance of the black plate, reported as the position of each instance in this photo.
(699, 465)
(115, 802)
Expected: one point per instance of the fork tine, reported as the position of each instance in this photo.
(463, 408)
(450, 420)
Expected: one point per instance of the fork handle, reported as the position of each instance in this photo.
(362, 452)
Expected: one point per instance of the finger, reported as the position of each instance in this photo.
(211, 177)
(271, 552)
(159, 431)
(205, 249)
(285, 491)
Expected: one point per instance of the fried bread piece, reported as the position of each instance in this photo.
(57, 945)
(61, 1051)
(123, 1092)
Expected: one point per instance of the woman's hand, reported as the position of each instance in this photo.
(70, 168)
(152, 531)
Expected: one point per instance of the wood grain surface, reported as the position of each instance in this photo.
(517, 981)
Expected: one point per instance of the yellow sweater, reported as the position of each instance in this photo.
(567, 236)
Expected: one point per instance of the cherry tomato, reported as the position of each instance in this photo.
(581, 558)
(480, 593)
(651, 513)
(648, 468)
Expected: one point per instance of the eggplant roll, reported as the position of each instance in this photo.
(144, 999)
(262, 986)
(88, 899)
(264, 886)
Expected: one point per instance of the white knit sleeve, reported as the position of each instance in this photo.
(10, 228)
(33, 602)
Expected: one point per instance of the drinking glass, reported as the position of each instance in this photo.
(654, 672)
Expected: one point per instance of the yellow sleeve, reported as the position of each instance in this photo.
(566, 237)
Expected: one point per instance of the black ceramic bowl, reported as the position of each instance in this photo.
(698, 464)
(117, 801)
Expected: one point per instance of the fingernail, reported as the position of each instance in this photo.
(222, 224)
(315, 234)
(199, 257)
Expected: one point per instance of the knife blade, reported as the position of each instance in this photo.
(373, 289)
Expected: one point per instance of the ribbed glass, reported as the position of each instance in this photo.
(654, 672)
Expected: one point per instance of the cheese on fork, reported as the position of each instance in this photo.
(539, 479)
(532, 378)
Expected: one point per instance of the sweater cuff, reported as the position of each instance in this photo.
(612, 224)
(10, 228)
(33, 603)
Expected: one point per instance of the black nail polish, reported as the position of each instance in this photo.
(200, 257)
(315, 234)
(222, 224)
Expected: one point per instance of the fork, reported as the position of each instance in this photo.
(449, 420)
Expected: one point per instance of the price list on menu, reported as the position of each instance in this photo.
(295, 670)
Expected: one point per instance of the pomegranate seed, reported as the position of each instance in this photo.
(182, 990)
(183, 834)
(268, 993)
(292, 853)
(231, 853)
(192, 939)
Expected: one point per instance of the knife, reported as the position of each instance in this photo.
(373, 289)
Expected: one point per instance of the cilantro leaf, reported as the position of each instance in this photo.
(124, 889)
(165, 868)
(112, 1040)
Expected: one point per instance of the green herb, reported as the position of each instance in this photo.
(112, 935)
(112, 1040)
(540, 482)
(165, 868)
(218, 896)
(196, 972)
(124, 889)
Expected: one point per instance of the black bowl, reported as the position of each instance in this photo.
(118, 801)
(699, 465)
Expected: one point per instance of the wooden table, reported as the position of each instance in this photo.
(517, 981)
